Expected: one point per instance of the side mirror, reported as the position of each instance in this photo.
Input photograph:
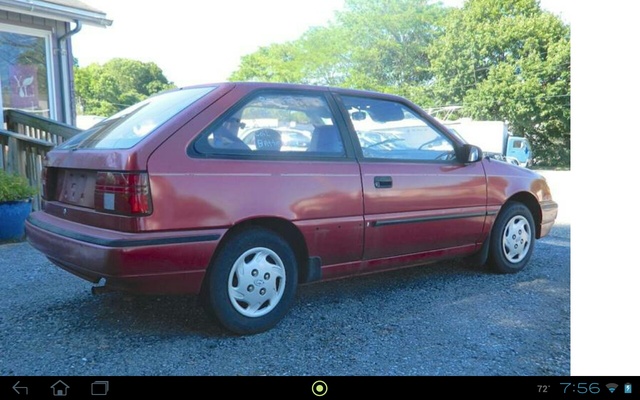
(469, 153)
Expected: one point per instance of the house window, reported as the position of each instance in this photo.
(26, 70)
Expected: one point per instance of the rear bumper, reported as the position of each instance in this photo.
(149, 262)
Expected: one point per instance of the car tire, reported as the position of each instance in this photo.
(252, 282)
(512, 239)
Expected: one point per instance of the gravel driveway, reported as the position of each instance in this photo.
(437, 320)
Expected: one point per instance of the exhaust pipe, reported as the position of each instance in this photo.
(101, 287)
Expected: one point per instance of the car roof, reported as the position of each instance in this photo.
(281, 85)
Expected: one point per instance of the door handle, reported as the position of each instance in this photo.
(382, 182)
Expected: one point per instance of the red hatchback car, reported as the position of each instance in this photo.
(165, 197)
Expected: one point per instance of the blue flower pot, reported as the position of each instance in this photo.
(12, 217)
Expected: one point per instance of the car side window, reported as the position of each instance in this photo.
(279, 123)
(391, 130)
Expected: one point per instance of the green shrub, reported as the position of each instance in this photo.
(14, 187)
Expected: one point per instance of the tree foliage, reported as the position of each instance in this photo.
(508, 60)
(372, 44)
(316, 58)
(388, 40)
(108, 88)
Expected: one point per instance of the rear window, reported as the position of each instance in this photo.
(129, 126)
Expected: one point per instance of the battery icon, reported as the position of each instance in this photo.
(627, 388)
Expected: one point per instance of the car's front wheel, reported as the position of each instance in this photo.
(252, 282)
(512, 239)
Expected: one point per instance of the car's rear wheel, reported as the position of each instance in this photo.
(512, 239)
(252, 282)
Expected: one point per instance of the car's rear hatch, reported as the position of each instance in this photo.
(100, 178)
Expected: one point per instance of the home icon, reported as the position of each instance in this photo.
(59, 388)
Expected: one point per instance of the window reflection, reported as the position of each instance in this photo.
(23, 73)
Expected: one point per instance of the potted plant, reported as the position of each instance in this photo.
(16, 196)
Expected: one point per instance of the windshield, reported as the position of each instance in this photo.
(129, 126)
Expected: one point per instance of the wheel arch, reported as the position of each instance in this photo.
(530, 201)
(286, 229)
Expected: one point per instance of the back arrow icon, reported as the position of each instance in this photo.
(17, 388)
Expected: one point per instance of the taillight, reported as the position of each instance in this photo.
(123, 193)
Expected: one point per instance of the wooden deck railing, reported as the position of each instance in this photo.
(25, 141)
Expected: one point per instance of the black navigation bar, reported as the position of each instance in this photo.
(326, 387)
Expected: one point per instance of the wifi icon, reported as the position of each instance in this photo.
(612, 387)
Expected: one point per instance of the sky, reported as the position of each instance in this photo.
(195, 43)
